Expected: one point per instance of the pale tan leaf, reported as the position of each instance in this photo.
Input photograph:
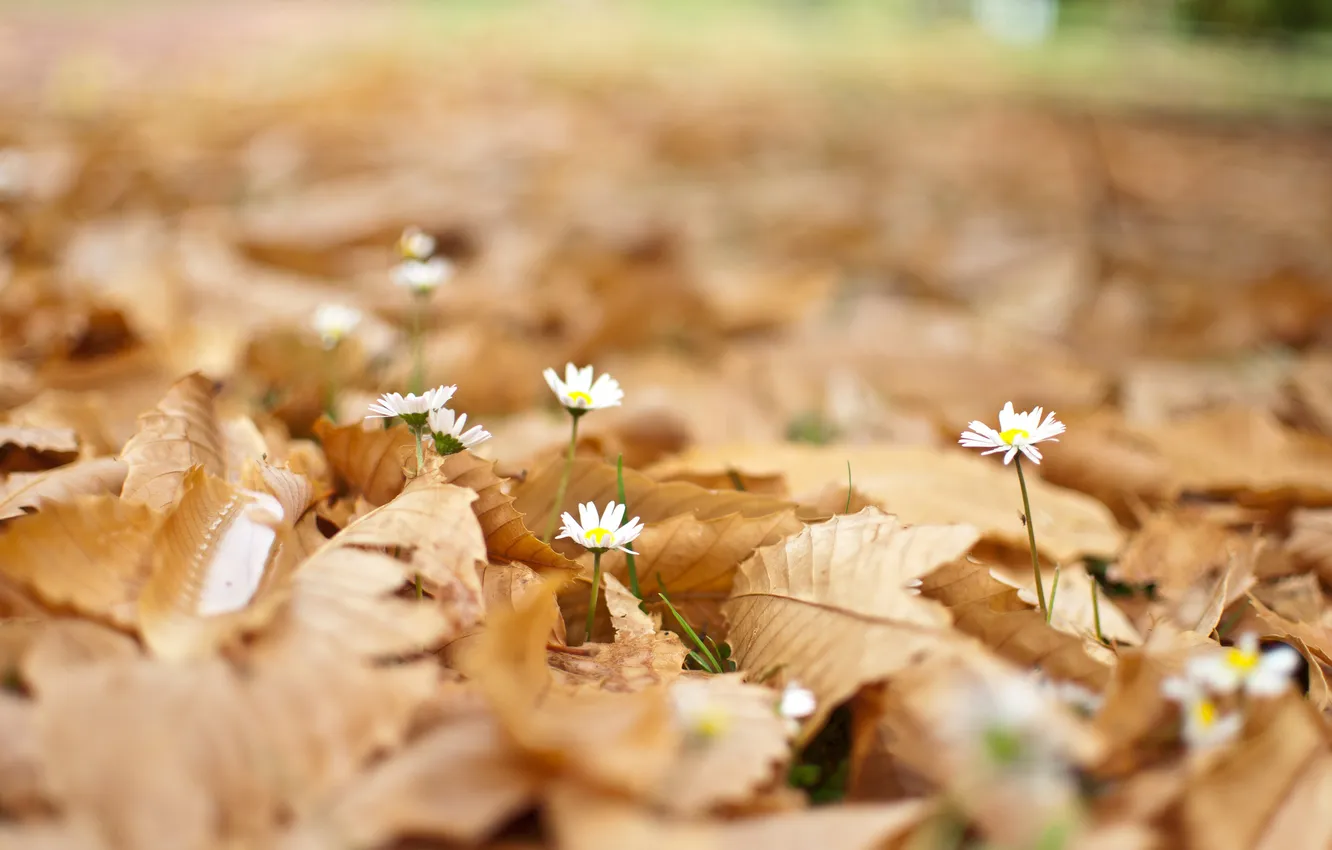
(923, 485)
(1303, 821)
(181, 432)
(1231, 803)
(196, 755)
(433, 524)
(628, 664)
(1317, 637)
(26, 449)
(24, 492)
(212, 573)
(627, 616)
(583, 821)
(460, 782)
(91, 555)
(1072, 603)
(367, 462)
(988, 609)
(833, 607)
(728, 767)
(508, 537)
(53, 646)
(22, 790)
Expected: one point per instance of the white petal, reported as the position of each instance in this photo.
(1032, 452)
(1007, 418)
(554, 382)
(1267, 683)
(1008, 458)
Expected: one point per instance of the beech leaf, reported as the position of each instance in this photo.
(22, 492)
(181, 432)
(367, 462)
(833, 607)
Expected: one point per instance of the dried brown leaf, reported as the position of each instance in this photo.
(26, 449)
(24, 492)
(924, 485)
(367, 462)
(507, 536)
(986, 608)
(832, 607)
(181, 432)
(91, 555)
(213, 568)
(22, 785)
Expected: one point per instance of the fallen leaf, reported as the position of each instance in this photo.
(367, 462)
(833, 607)
(91, 555)
(507, 535)
(24, 492)
(25, 449)
(925, 485)
(213, 575)
(181, 432)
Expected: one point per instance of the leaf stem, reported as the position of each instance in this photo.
(418, 353)
(596, 590)
(1096, 607)
(564, 480)
(629, 561)
(847, 509)
(1031, 538)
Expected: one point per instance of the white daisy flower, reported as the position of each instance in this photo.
(334, 322)
(415, 244)
(411, 409)
(797, 702)
(1018, 432)
(600, 533)
(578, 393)
(449, 434)
(1205, 726)
(697, 713)
(1246, 666)
(422, 277)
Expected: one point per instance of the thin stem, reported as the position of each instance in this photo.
(1054, 588)
(420, 452)
(564, 481)
(847, 509)
(418, 353)
(596, 590)
(331, 384)
(1031, 537)
(630, 563)
(1096, 608)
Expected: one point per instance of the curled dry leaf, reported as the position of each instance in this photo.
(640, 656)
(213, 575)
(833, 607)
(459, 782)
(432, 524)
(181, 432)
(1232, 802)
(583, 821)
(23, 492)
(993, 612)
(508, 537)
(926, 485)
(225, 753)
(91, 555)
(34, 449)
(367, 462)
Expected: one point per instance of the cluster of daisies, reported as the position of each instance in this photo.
(1219, 683)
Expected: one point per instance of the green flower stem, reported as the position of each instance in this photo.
(420, 467)
(1054, 588)
(596, 590)
(630, 563)
(418, 352)
(564, 479)
(331, 385)
(1096, 608)
(1031, 538)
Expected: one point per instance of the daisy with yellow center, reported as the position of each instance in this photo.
(1205, 726)
(700, 716)
(599, 534)
(1017, 436)
(421, 274)
(415, 244)
(578, 393)
(450, 438)
(1246, 667)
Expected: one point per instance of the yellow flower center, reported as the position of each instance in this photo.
(598, 536)
(1013, 433)
(579, 395)
(1242, 661)
(1205, 713)
(711, 722)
